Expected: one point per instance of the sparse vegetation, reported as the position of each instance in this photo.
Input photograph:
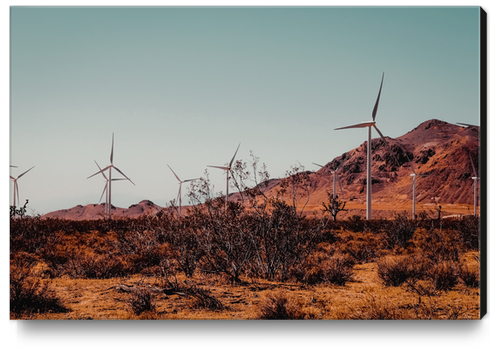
(260, 258)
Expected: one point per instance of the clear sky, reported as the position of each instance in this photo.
(185, 86)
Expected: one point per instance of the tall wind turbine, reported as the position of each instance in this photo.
(414, 175)
(179, 196)
(110, 167)
(106, 206)
(227, 169)
(16, 186)
(369, 124)
(475, 182)
(335, 178)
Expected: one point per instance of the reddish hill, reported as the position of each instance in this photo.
(435, 147)
(96, 211)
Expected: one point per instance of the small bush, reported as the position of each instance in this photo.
(400, 231)
(444, 275)
(141, 300)
(469, 277)
(394, 271)
(281, 306)
(321, 268)
(204, 299)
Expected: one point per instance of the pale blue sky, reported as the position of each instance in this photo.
(184, 86)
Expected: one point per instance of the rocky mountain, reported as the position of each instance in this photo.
(436, 148)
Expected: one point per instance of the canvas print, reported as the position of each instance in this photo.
(247, 163)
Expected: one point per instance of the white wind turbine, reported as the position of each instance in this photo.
(106, 206)
(414, 175)
(179, 196)
(475, 182)
(335, 178)
(16, 186)
(110, 167)
(369, 124)
(227, 169)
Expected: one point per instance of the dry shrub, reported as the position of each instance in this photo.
(141, 300)
(375, 308)
(394, 271)
(204, 299)
(282, 306)
(400, 231)
(444, 275)
(469, 277)
(323, 268)
(27, 293)
(362, 247)
(94, 266)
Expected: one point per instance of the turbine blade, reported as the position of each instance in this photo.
(118, 179)
(193, 179)
(22, 174)
(180, 191)
(469, 125)
(98, 172)
(318, 165)
(123, 174)
(375, 110)
(413, 169)
(219, 167)
(13, 166)
(112, 148)
(17, 190)
(105, 187)
(340, 185)
(231, 162)
(103, 174)
(379, 132)
(472, 165)
(178, 179)
(360, 125)
(12, 178)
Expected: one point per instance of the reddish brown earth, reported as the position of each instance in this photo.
(435, 147)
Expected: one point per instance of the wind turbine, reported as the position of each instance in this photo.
(414, 175)
(475, 182)
(106, 207)
(369, 124)
(110, 167)
(179, 196)
(227, 169)
(335, 178)
(16, 186)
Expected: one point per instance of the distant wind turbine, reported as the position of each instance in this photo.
(414, 175)
(475, 182)
(227, 169)
(369, 124)
(106, 206)
(179, 196)
(335, 178)
(16, 186)
(110, 167)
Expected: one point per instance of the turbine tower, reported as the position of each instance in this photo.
(110, 167)
(227, 169)
(16, 186)
(179, 196)
(369, 124)
(414, 175)
(335, 178)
